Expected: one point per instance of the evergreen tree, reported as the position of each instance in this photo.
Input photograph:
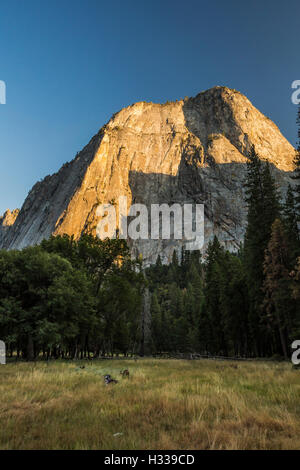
(263, 208)
(290, 221)
(213, 306)
(296, 175)
(295, 275)
(156, 325)
(234, 301)
(278, 304)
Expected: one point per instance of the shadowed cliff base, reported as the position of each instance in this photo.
(220, 187)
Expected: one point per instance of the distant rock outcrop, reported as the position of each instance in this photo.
(6, 221)
(193, 150)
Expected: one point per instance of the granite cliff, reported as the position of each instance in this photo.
(7, 220)
(192, 150)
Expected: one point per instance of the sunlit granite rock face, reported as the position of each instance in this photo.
(6, 222)
(190, 151)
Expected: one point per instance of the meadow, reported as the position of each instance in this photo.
(164, 404)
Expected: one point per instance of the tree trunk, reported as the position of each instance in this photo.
(30, 352)
(283, 343)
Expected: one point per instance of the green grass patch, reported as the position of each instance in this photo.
(164, 404)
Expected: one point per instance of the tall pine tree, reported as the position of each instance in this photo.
(278, 303)
(290, 222)
(296, 175)
(263, 208)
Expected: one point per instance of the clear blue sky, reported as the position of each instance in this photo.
(69, 64)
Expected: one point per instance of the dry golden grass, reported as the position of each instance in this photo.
(165, 404)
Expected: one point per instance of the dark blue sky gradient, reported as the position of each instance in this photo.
(69, 65)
